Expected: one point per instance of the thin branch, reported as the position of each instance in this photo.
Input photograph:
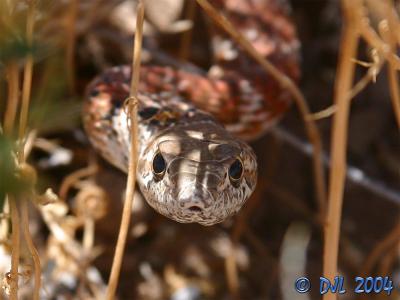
(12, 100)
(88, 234)
(373, 39)
(386, 10)
(5, 221)
(393, 76)
(74, 177)
(23, 120)
(9, 120)
(371, 74)
(4, 229)
(131, 180)
(287, 83)
(27, 83)
(231, 272)
(32, 249)
(15, 252)
(345, 75)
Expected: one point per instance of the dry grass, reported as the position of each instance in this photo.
(131, 180)
(356, 26)
(27, 82)
(344, 79)
(374, 67)
(381, 34)
(32, 249)
(15, 254)
(12, 100)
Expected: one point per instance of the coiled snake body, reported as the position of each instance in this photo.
(191, 168)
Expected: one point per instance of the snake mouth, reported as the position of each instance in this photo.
(195, 209)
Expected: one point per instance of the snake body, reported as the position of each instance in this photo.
(190, 167)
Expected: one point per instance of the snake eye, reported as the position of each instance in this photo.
(159, 165)
(235, 171)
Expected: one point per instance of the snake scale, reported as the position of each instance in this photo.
(191, 168)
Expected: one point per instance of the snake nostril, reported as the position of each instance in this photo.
(195, 208)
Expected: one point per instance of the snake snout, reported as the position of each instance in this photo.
(194, 199)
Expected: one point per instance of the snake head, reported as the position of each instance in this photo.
(190, 176)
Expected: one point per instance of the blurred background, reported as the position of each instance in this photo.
(258, 254)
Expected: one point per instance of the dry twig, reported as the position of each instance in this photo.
(72, 178)
(345, 75)
(31, 247)
(374, 68)
(15, 254)
(27, 83)
(373, 39)
(131, 180)
(12, 100)
(393, 76)
(23, 120)
(9, 120)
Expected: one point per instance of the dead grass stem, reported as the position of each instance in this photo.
(344, 80)
(88, 234)
(15, 253)
(23, 120)
(373, 39)
(393, 72)
(374, 68)
(12, 99)
(9, 121)
(27, 81)
(131, 180)
(72, 178)
(32, 249)
(231, 271)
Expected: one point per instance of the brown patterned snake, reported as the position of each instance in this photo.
(191, 168)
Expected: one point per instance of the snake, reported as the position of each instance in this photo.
(194, 161)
